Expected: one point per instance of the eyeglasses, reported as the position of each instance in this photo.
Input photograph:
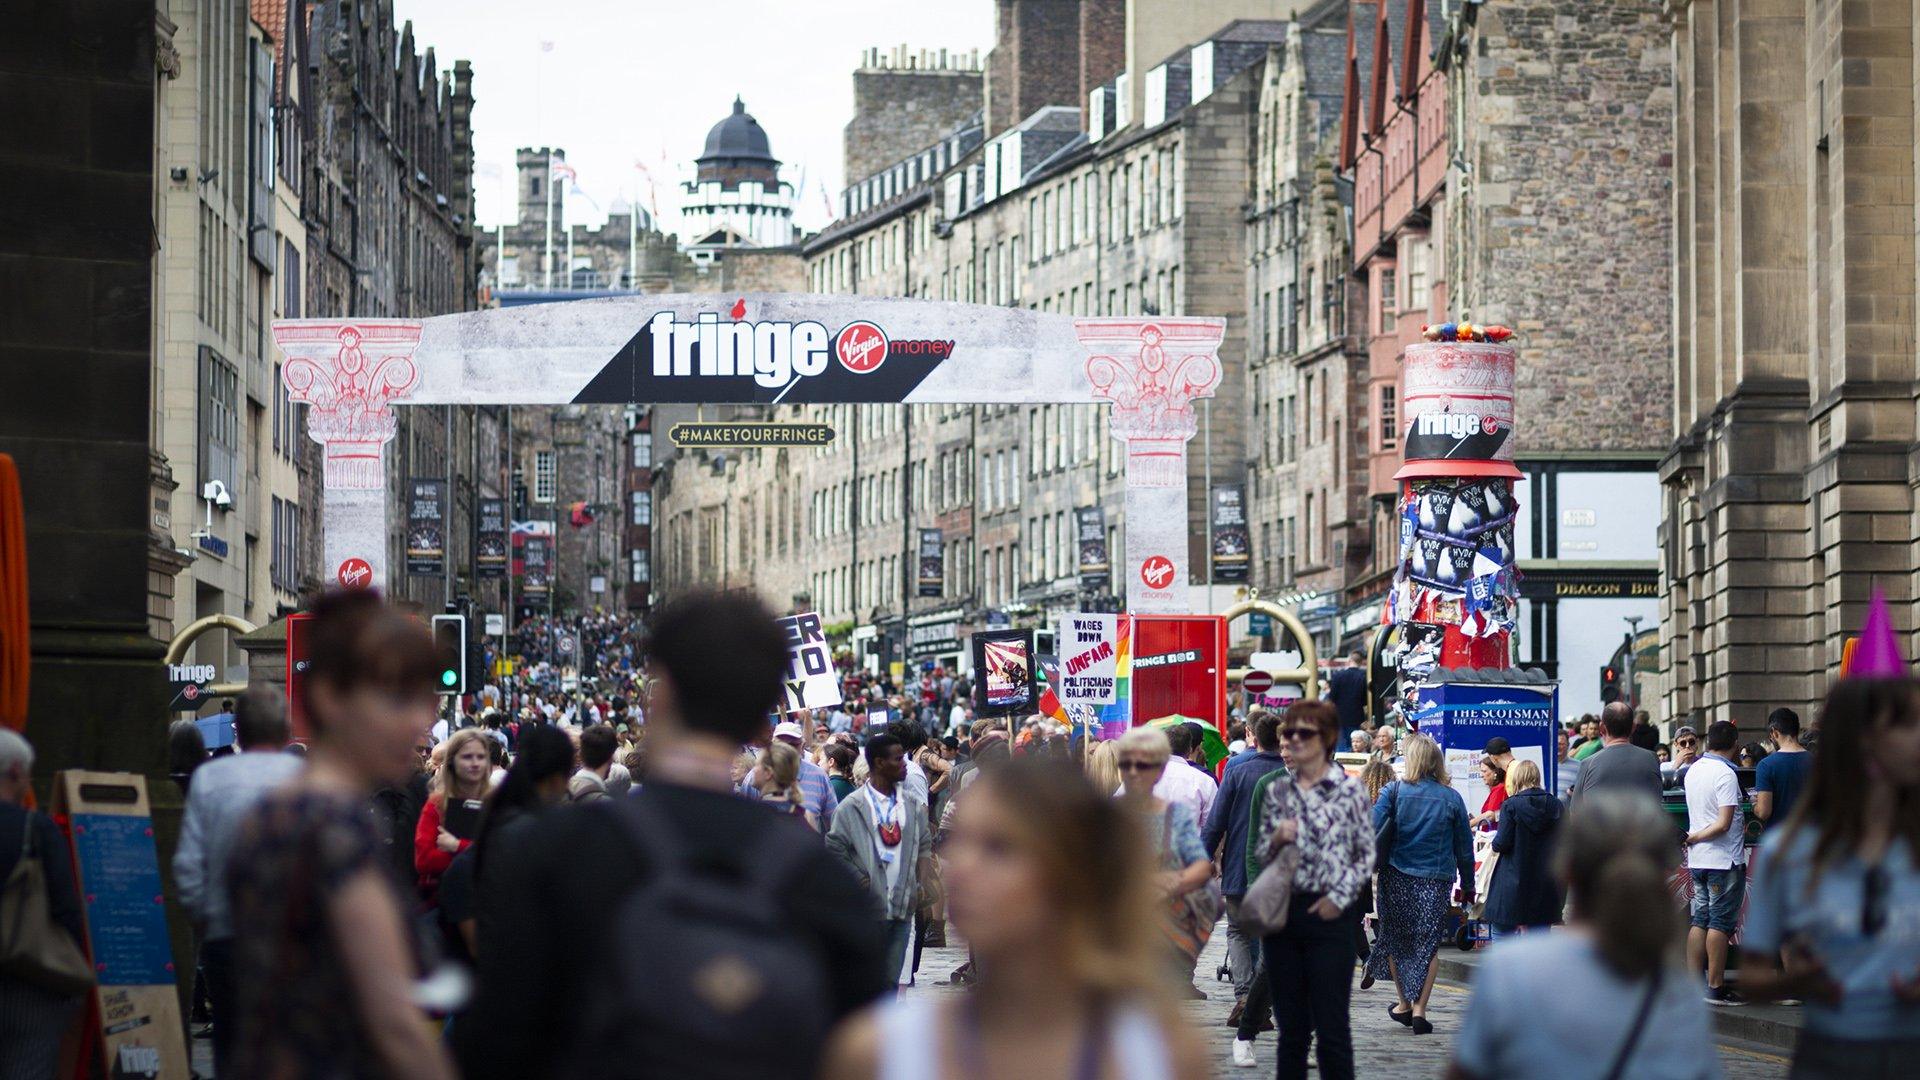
(1300, 734)
(1136, 765)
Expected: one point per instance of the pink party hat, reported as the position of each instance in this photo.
(1878, 654)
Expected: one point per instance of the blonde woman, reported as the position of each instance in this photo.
(1423, 844)
(1523, 894)
(1186, 874)
(1048, 881)
(451, 817)
(776, 779)
(1103, 766)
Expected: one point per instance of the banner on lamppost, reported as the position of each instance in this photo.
(426, 527)
(933, 562)
(537, 567)
(1231, 546)
(1091, 525)
(490, 538)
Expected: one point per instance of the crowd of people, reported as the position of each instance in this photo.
(630, 864)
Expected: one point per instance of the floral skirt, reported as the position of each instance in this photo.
(1412, 918)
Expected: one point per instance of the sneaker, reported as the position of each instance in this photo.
(1243, 1054)
(1789, 1002)
(1720, 995)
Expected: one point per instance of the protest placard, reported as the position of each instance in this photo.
(1088, 647)
(809, 682)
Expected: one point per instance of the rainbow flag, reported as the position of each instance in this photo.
(1116, 718)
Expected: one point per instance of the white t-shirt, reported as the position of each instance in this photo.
(1712, 784)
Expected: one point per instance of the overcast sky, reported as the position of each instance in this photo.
(629, 81)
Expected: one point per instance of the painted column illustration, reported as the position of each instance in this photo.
(1454, 591)
(348, 374)
(1152, 370)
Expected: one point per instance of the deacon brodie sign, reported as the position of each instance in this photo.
(771, 349)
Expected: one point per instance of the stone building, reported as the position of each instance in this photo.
(1480, 193)
(1306, 483)
(737, 196)
(1788, 484)
(388, 202)
(905, 101)
(230, 242)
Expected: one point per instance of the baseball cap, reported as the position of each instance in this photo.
(787, 729)
(1497, 745)
(1686, 729)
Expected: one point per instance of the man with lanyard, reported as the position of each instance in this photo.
(881, 833)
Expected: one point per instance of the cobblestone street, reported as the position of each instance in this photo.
(1382, 1047)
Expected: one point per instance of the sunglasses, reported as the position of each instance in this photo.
(1685, 742)
(1135, 765)
(1300, 734)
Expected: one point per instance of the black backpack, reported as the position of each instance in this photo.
(711, 978)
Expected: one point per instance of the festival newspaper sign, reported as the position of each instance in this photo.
(933, 562)
(1003, 664)
(1095, 567)
(537, 575)
(426, 527)
(1463, 716)
(1231, 545)
(490, 538)
(1089, 654)
(809, 682)
(110, 825)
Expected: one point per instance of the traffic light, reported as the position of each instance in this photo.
(450, 647)
(1609, 684)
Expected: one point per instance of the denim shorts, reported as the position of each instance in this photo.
(1716, 898)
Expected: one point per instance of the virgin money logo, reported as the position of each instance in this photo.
(355, 573)
(1157, 572)
(861, 347)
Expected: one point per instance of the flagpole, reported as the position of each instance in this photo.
(548, 285)
(633, 241)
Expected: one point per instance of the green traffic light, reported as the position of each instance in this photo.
(449, 677)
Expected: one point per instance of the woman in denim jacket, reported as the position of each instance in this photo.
(1420, 825)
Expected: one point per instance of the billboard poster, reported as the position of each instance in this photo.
(1089, 654)
(1095, 568)
(537, 561)
(1003, 665)
(933, 562)
(810, 682)
(1463, 716)
(1231, 546)
(1458, 403)
(426, 527)
(490, 538)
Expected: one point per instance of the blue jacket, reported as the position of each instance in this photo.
(1523, 891)
(1232, 814)
(1429, 831)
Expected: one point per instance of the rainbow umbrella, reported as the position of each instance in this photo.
(1211, 743)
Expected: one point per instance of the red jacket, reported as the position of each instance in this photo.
(428, 860)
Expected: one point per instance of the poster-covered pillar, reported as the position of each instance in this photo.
(1455, 596)
(1152, 370)
(349, 373)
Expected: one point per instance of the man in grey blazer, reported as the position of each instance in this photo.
(881, 832)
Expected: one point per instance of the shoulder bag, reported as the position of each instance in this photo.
(33, 948)
(1263, 910)
(1639, 1025)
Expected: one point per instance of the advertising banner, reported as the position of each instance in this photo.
(1232, 550)
(933, 635)
(933, 562)
(1180, 668)
(426, 527)
(1458, 409)
(1089, 654)
(809, 682)
(1095, 567)
(1003, 665)
(490, 538)
(537, 574)
(1462, 716)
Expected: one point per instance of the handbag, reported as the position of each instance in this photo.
(1263, 910)
(1194, 914)
(1487, 859)
(33, 948)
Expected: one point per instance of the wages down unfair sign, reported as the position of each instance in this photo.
(809, 682)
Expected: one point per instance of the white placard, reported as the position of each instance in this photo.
(1087, 644)
(809, 682)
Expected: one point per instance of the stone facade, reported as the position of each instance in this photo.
(905, 101)
(1307, 365)
(1789, 482)
(1480, 194)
